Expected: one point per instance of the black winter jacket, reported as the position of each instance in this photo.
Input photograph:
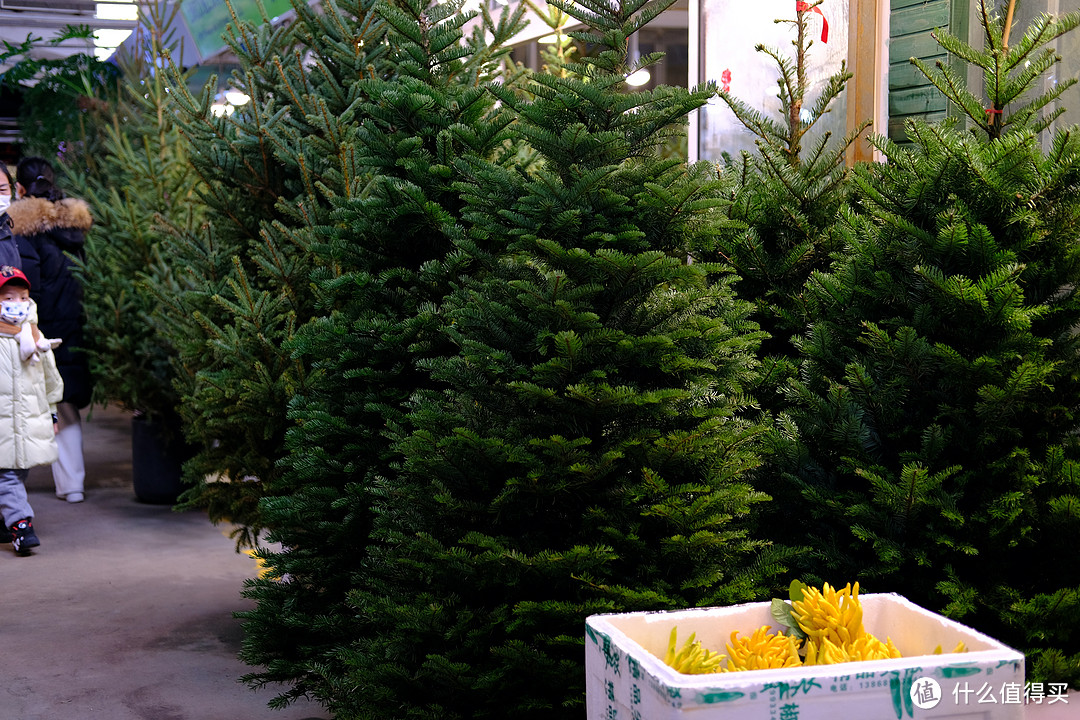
(44, 232)
(9, 251)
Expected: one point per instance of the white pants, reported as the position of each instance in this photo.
(69, 471)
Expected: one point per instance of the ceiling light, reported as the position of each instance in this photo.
(117, 10)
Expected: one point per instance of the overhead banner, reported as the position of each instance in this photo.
(206, 19)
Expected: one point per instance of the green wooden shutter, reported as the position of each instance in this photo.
(910, 94)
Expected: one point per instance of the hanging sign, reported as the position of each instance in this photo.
(206, 19)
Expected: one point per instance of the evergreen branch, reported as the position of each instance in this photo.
(285, 81)
(647, 15)
(816, 153)
(960, 49)
(1033, 106)
(1060, 164)
(1020, 83)
(1043, 29)
(992, 40)
(329, 79)
(508, 27)
(836, 159)
(790, 91)
(332, 11)
(239, 34)
(752, 120)
(830, 92)
(554, 19)
(779, 169)
(955, 89)
(406, 25)
(592, 18)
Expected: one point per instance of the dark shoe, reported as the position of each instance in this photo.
(23, 537)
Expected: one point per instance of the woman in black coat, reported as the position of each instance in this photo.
(50, 228)
(9, 251)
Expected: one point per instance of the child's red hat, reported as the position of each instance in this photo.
(9, 273)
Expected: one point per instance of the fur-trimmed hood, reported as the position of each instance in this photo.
(33, 216)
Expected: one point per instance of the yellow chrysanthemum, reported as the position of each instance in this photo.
(832, 620)
(829, 614)
(960, 647)
(867, 647)
(762, 650)
(692, 659)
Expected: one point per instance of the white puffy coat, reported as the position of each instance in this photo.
(28, 397)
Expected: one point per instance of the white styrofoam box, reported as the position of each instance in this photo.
(628, 680)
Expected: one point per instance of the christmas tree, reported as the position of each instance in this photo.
(249, 269)
(579, 440)
(390, 245)
(936, 403)
(786, 196)
(142, 188)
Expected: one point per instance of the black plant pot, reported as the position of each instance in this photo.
(157, 457)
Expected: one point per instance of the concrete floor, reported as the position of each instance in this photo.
(125, 611)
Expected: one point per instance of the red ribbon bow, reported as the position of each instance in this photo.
(801, 6)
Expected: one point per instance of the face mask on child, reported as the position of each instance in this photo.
(5, 203)
(14, 311)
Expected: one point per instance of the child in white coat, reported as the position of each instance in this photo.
(29, 392)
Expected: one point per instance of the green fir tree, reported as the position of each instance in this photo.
(937, 401)
(390, 246)
(556, 54)
(583, 445)
(142, 188)
(248, 271)
(786, 196)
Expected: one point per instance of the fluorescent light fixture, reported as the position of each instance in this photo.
(639, 78)
(117, 10)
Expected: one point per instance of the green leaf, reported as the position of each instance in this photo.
(796, 589)
(784, 616)
(781, 612)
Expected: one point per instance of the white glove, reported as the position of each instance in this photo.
(31, 351)
(49, 343)
(27, 347)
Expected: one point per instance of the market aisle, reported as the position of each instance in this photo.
(125, 611)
